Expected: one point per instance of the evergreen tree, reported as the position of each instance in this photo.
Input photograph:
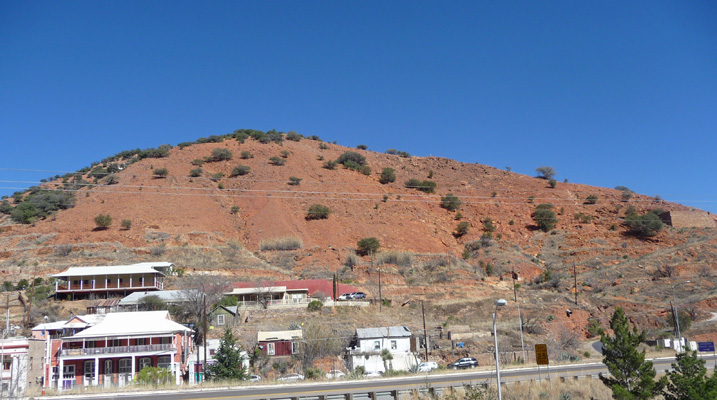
(688, 380)
(631, 377)
(228, 365)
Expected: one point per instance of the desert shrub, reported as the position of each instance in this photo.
(161, 172)
(583, 218)
(103, 221)
(367, 246)
(645, 225)
(63, 250)
(330, 164)
(221, 155)
(277, 161)
(315, 305)
(351, 156)
(424, 186)
(216, 176)
(545, 172)
(351, 259)
(544, 217)
(364, 169)
(234, 209)
(39, 204)
(488, 225)
(197, 162)
(240, 170)
(591, 199)
(461, 229)
(282, 243)
(245, 155)
(450, 202)
(211, 139)
(400, 258)
(627, 195)
(159, 152)
(552, 183)
(196, 172)
(323, 146)
(285, 154)
(111, 179)
(362, 147)
(294, 181)
(317, 211)
(126, 224)
(293, 136)
(5, 207)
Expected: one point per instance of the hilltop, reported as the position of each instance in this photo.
(217, 205)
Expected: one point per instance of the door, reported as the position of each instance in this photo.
(68, 377)
(89, 375)
(107, 377)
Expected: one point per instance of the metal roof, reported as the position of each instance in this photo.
(382, 332)
(168, 296)
(279, 335)
(143, 268)
(133, 324)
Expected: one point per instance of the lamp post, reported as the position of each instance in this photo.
(677, 317)
(499, 303)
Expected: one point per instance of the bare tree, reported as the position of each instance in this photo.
(319, 342)
(263, 293)
(193, 289)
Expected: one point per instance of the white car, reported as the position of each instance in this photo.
(427, 366)
(291, 378)
(373, 374)
(344, 297)
(335, 374)
(254, 378)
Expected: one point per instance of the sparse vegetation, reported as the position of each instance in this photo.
(646, 225)
(351, 156)
(240, 170)
(330, 164)
(220, 155)
(461, 229)
(544, 217)
(126, 224)
(282, 243)
(450, 202)
(294, 181)
(545, 172)
(161, 173)
(196, 172)
(318, 211)
(367, 246)
(488, 225)
(245, 155)
(424, 186)
(591, 199)
(362, 147)
(285, 153)
(277, 161)
(552, 183)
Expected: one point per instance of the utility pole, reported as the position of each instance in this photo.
(380, 298)
(515, 289)
(575, 275)
(425, 332)
(205, 333)
(29, 307)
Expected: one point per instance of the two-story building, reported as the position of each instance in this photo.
(108, 281)
(111, 352)
(369, 344)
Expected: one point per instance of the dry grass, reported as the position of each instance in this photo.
(283, 243)
(400, 258)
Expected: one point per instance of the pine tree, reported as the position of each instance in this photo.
(631, 377)
(228, 362)
(688, 380)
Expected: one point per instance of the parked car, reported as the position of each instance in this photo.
(427, 366)
(335, 374)
(373, 374)
(358, 296)
(466, 362)
(291, 378)
(344, 297)
(254, 378)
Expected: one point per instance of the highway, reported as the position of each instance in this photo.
(362, 387)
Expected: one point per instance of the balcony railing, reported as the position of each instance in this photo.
(64, 287)
(116, 349)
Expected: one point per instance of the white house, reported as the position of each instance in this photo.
(371, 342)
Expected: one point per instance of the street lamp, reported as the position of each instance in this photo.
(677, 317)
(499, 303)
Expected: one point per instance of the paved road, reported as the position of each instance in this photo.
(380, 385)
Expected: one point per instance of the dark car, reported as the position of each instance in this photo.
(466, 362)
(358, 296)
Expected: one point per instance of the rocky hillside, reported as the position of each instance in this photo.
(195, 205)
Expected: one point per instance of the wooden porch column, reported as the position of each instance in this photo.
(97, 371)
(60, 373)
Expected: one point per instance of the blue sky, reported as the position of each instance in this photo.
(608, 93)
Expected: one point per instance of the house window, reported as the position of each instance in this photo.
(141, 341)
(377, 345)
(144, 362)
(220, 319)
(270, 349)
(394, 345)
(164, 362)
(6, 363)
(165, 340)
(108, 367)
(91, 344)
(211, 352)
(116, 343)
(125, 366)
(294, 347)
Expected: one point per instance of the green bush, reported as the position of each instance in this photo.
(591, 199)
(240, 170)
(646, 225)
(552, 183)
(277, 161)
(488, 225)
(196, 172)
(367, 246)
(317, 211)
(330, 164)
(450, 202)
(388, 175)
(545, 172)
(198, 162)
(285, 154)
(234, 209)
(161, 172)
(323, 146)
(40, 204)
(126, 224)
(461, 229)
(424, 186)
(216, 176)
(294, 181)
(5, 207)
(293, 136)
(362, 147)
(221, 155)
(351, 156)
(160, 152)
(245, 155)
(315, 305)
(103, 221)
(544, 217)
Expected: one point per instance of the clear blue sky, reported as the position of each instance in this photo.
(608, 93)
